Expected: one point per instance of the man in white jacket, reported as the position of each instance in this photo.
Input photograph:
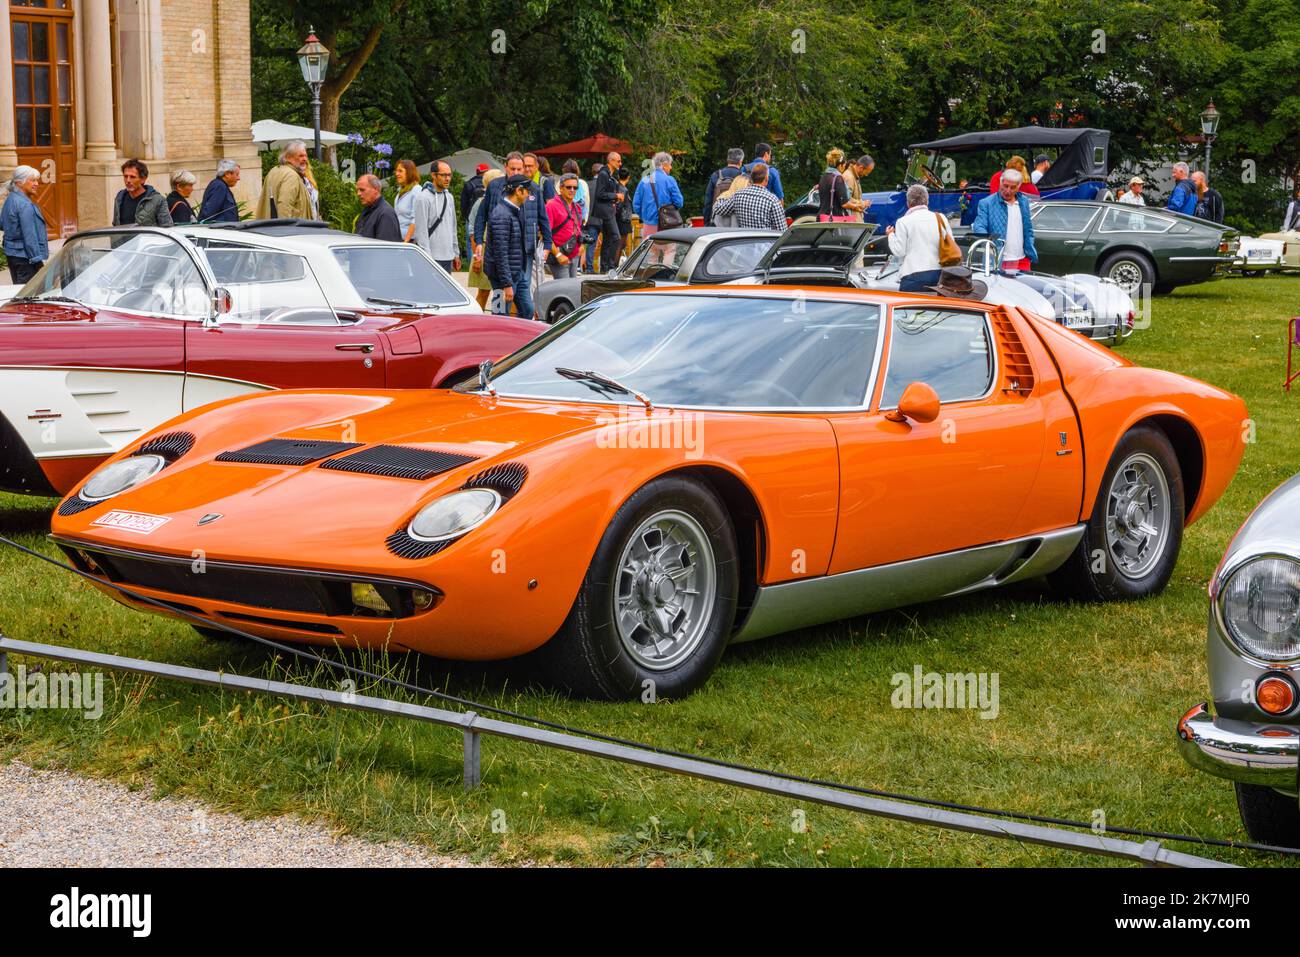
(914, 243)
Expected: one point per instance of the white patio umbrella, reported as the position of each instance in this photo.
(274, 135)
(465, 162)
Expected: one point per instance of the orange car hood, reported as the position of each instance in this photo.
(279, 501)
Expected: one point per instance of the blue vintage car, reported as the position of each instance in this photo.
(957, 171)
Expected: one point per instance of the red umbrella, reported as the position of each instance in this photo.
(593, 147)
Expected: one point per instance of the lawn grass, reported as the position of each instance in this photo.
(1089, 695)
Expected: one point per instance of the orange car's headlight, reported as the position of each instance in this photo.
(454, 514)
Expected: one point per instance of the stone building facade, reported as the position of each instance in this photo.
(85, 84)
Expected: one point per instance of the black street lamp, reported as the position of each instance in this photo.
(314, 60)
(1210, 129)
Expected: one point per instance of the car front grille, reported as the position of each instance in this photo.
(284, 590)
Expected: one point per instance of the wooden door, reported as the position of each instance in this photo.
(44, 105)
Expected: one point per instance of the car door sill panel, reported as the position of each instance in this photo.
(788, 606)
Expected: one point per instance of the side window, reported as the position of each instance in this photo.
(948, 350)
(1065, 219)
(1133, 219)
(730, 260)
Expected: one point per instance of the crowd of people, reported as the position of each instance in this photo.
(525, 222)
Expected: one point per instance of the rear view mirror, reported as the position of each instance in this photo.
(919, 402)
(222, 303)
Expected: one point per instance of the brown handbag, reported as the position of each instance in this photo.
(949, 251)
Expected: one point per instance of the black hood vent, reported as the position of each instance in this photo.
(286, 452)
(72, 506)
(505, 479)
(170, 445)
(398, 461)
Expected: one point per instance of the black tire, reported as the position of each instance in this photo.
(1092, 573)
(1270, 817)
(558, 310)
(588, 657)
(456, 378)
(1130, 264)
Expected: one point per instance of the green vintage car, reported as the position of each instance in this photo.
(1133, 246)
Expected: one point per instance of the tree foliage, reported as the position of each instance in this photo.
(806, 75)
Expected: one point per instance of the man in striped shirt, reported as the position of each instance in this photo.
(755, 206)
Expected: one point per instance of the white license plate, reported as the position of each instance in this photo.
(1259, 254)
(1074, 322)
(132, 521)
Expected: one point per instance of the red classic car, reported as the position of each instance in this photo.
(126, 328)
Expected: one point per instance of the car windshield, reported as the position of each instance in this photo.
(138, 272)
(655, 259)
(704, 351)
(397, 275)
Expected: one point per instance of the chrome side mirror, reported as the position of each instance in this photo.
(222, 303)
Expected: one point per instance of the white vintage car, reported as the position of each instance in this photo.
(1259, 255)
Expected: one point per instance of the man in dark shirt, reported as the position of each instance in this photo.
(378, 219)
(470, 192)
(607, 193)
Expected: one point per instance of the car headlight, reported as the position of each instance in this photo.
(120, 476)
(1260, 605)
(454, 514)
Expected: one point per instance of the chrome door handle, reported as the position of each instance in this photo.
(355, 347)
(1074, 242)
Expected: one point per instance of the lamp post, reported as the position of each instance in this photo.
(1210, 128)
(314, 60)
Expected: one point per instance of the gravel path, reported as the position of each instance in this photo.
(57, 819)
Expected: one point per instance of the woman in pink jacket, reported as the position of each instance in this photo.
(566, 229)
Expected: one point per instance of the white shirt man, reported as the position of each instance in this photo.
(1134, 195)
(1013, 250)
(442, 211)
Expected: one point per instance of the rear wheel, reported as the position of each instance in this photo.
(655, 610)
(1129, 270)
(559, 309)
(1130, 544)
(1270, 816)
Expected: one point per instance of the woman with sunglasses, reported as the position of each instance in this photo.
(566, 229)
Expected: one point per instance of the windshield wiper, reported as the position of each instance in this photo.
(596, 378)
(67, 299)
(402, 303)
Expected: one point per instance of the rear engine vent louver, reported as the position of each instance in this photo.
(397, 461)
(286, 452)
(1017, 370)
(506, 480)
(171, 445)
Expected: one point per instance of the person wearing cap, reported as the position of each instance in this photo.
(507, 258)
(469, 194)
(1133, 197)
(1004, 218)
(1042, 163)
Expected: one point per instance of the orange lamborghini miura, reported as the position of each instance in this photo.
(664, 473)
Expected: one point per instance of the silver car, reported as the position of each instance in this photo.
(688, 255)
(1252, 738)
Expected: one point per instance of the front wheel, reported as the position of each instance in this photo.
(1132, 538)
(655, 611)
(559, 309)
(1270, 816)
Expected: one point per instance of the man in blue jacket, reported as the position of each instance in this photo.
(719, 181)
(506, 260)
(763, 154)
(219, 204)
(664, 192)
(1004, 218)
(26, 243)
(1183, 197)
(536, 222)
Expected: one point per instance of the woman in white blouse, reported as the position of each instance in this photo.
(914, 243)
